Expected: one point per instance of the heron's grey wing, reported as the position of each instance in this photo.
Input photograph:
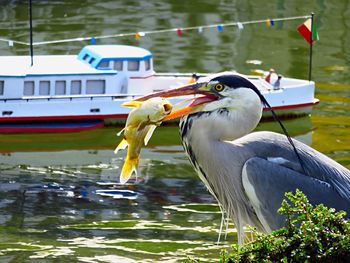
(266, 182)
(317, 165)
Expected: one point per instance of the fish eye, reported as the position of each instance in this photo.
(219, 87)
(167, 107)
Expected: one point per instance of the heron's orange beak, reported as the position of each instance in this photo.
(193, 102)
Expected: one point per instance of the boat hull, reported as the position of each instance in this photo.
(295, 98)
(291, 111)
(109, 112)
(95, 84)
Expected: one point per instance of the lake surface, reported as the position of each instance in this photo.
(59, 201)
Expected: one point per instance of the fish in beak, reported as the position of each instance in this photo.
(142, 120)
(201, 89)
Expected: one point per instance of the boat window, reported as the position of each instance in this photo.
(103, 64)
(44, 87)
(60, 87)
(28, 89)
(147, 64)
(86, 57)
(2, 85)
(118, 65)
(92, 60)
(75, 87)
(133, 65)
(95, 86)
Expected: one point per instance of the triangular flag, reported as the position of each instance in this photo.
(138, 35)
(270, 22)
(179, 32)
(93, 41)
(240, 25)
(200, 29)
(305, 30)
(219, 27)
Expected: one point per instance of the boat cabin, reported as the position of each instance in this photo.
(134, 61)
(97, 70)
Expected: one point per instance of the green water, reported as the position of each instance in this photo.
(58, 198)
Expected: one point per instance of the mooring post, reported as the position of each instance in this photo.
(311, 42)
(30, 32)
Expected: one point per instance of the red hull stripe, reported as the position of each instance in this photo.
(295, 106)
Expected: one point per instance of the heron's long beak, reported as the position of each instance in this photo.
(191, 89)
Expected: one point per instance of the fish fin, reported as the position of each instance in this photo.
(132, 104)
(129, 167)
(149, 134)
(142, 125)
(121, 146)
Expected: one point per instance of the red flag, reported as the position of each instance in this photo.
(305, 30)
(179, 32)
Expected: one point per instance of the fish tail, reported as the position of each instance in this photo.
(130, 166)
(121, 146)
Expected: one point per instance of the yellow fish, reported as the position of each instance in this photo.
(140, 125)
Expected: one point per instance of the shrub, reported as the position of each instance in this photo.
(311, 234)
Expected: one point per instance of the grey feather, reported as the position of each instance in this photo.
(266, 182)
(318, 165)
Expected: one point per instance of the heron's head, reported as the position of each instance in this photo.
(232, 99)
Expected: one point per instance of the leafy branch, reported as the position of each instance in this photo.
(311, 234)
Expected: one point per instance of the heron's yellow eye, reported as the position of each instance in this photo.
(219, 87)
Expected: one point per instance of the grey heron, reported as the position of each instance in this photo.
(249, 172)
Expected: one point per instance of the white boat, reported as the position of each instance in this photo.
(92, 86)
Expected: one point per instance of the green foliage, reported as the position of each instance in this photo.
(311, 234)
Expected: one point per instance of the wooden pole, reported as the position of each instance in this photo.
(30, 32)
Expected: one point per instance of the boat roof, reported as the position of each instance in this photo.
(117, 52)
(46, 65)
(95, 54)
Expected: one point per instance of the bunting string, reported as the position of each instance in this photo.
(178, 30)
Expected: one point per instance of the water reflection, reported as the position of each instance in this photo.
(71, 203)
(57, 192)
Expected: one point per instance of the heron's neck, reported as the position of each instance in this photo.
(203, 136)
(203, 133)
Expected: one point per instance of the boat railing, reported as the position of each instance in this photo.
(201, 75)
(73, 97)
